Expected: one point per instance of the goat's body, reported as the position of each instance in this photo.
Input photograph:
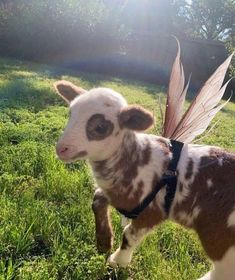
(204, 199)
(128, 165)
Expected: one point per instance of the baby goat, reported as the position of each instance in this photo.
(128, 165)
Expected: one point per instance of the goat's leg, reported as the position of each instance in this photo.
(131, 238)
(104, 234)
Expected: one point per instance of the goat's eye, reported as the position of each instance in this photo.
(98, 127)
(101, 128)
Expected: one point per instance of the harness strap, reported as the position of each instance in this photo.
(169, 179)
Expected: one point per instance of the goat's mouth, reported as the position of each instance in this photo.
(69, 159)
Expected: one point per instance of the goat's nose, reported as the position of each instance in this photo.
(61, 150)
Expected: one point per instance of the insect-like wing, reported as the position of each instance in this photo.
(204, 106)
(175, 96)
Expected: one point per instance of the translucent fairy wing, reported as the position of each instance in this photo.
(175, 96)
(204, 106)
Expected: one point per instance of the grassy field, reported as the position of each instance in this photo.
(46, 222)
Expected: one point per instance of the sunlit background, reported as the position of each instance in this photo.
(120, 37)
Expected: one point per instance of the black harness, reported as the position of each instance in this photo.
(169, 179)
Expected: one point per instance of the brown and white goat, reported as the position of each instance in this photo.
(127, 165)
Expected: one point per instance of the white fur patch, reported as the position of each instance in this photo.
(220, 161)
(196, 212)
(180, 196)
(161, 199)
(209, 183)
(122, 257)
(206, 277)
(124, 221)
(231, 219)
(188, 219)
(96, 202)
(184, 218)
(225, 268)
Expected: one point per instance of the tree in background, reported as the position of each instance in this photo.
(40, 28)
(148, 16)
(230, 45)
(210, 19)
(37, 28)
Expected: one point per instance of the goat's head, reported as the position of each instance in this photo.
(97, 123)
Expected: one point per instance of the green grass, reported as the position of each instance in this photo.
(46, 222)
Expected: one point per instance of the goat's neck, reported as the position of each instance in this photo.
(109, 172)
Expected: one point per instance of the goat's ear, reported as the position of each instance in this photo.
(67, 90)
(135, 118)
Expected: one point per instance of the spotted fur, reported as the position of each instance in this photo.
(128, 164)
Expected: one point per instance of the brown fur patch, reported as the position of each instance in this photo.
(146, 154)
(127, 199)
(98, 128)
(128, 166)
(135, 117)
(108, 104)
(180, 187)
(189, 171)
(215, 203)
(67, 90)
(103, 227)
(140, 184)
(101, 168)
(164, 145)
(151, 215)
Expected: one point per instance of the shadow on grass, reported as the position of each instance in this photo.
(27, 93)
(30, 85)
(92, 79)
(24, 85)
(30, 88)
